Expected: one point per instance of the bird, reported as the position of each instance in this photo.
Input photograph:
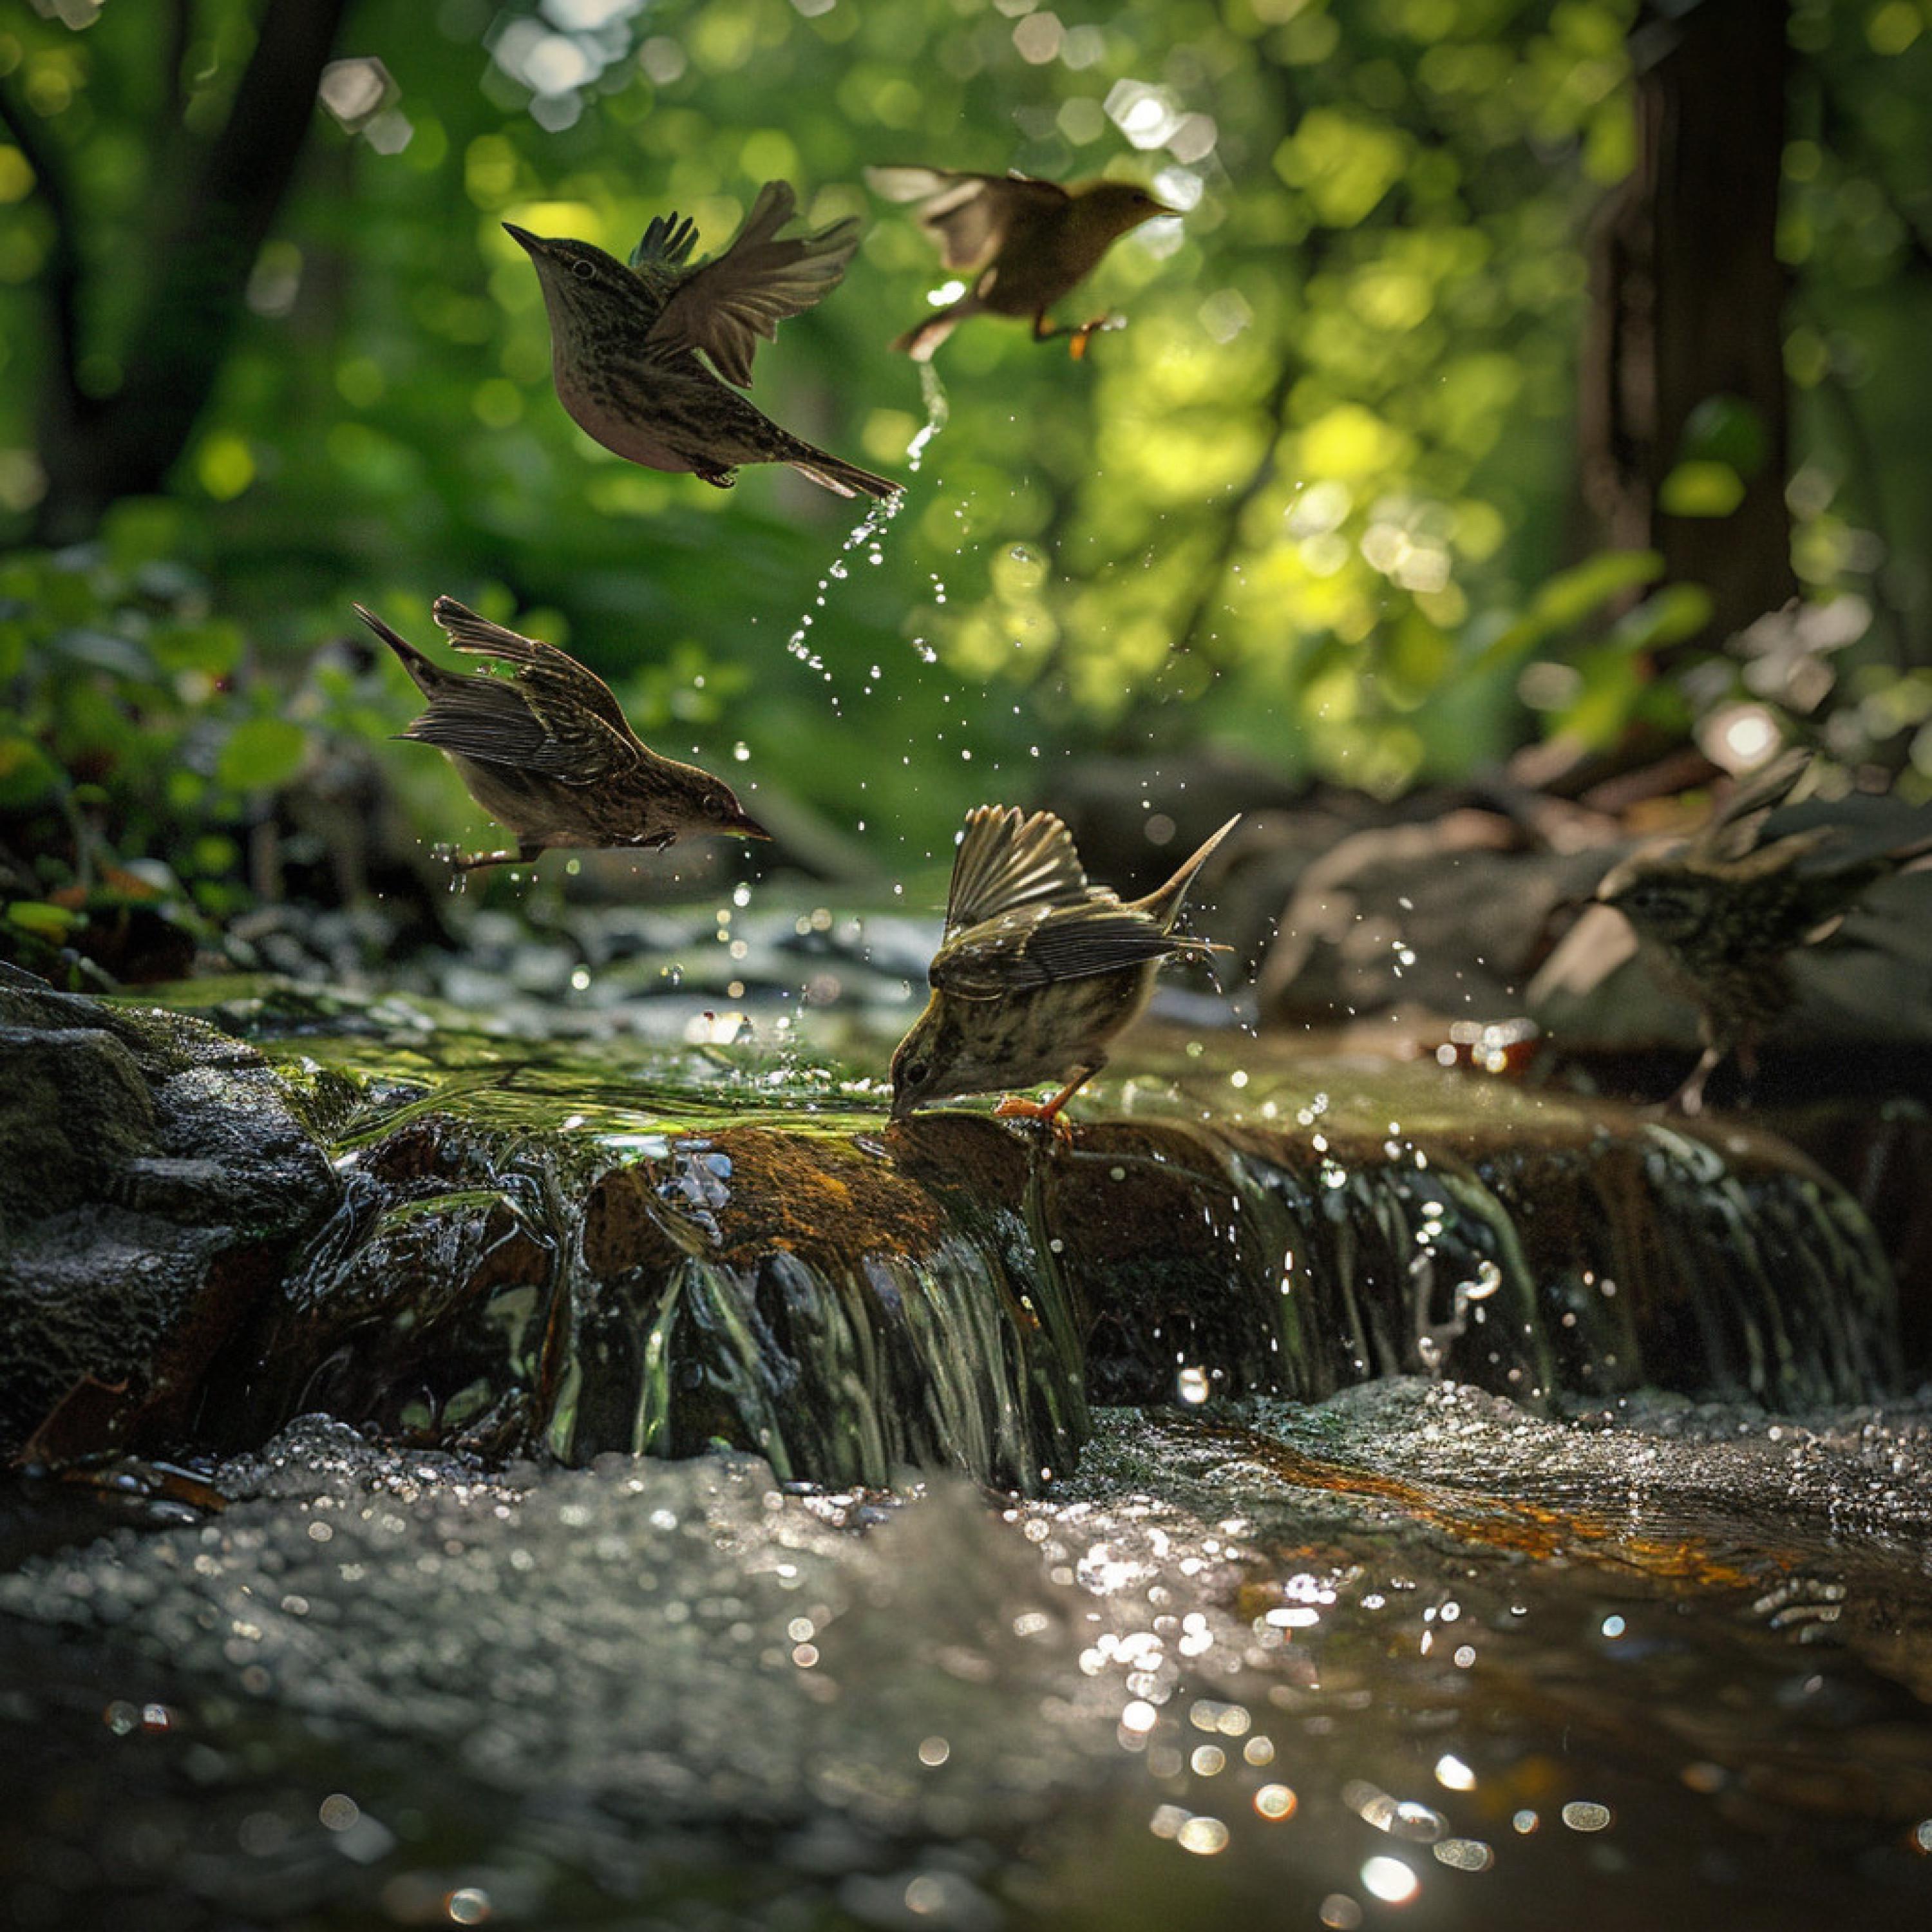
(1037, 971)
(634, 347)
(548, 752)
(1717, 914)
(1029, 242)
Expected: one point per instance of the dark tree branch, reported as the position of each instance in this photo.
(180, 38)
(204, 249)
(60, 280)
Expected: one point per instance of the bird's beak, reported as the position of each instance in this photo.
(531, 244)
(745, 826)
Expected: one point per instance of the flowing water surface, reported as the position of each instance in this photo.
(1414, 1653)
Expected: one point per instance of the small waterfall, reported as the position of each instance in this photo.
(954, 1294)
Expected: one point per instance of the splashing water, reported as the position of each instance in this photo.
(869, 534)
(938, 412)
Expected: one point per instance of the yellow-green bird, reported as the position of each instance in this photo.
(634, 348)
(548, 752)
(1028, 243)
(1037, 971)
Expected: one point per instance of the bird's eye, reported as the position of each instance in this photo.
(584, 271)
(914, 1074)
(713, 806)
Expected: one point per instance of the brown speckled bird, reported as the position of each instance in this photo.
(1717, 914)
(1037, 971)
(625, 341)
(548, 752)
(1029, 242)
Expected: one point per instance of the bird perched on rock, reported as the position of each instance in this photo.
(1717, 914)
(1038, 971)
(625, 340)
(548, 752)
(1029, 241)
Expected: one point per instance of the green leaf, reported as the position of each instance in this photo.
(261, 755)
(1566, 599)
(51, 923)
(1679, 611)
(27, 774)
(1727, 429)
(213, 648)
(1698, 488)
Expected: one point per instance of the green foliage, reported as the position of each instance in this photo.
(128, 756)
(1303, 505)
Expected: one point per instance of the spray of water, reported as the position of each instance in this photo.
(869, 533)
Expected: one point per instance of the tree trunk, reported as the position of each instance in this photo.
(1687, 301)
(96, 449)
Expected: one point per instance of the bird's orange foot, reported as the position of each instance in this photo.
(1101, 325)
(1017, 1107)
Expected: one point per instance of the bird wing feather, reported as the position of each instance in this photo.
(969, 215)
(1732, 830)
(666, 243)
(726, 304)
(553, 716)
(1006, 860)
(1037, 946)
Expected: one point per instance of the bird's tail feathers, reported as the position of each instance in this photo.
(1163, 904)
(427, 677)
(843, 478)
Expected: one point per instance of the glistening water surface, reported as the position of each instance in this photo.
(1413, 1653)
(1408, 1657)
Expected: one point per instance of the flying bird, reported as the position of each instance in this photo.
(548, 752)
(1037, 971)
(1027, 242)
(1717, 914)
(638, 350)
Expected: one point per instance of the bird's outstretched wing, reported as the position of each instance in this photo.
(1035, 946)
(970, 216)
(553, 716)
(1006, 860)
(725, 304)
(1732, 830)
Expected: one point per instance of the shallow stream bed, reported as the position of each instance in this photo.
(1262, 1511)
(1408, 1656)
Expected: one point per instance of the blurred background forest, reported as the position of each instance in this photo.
(1514, 365)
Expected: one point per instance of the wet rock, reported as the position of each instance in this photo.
(154, 1178)
(525, 1258)
(506, 1247)
(1448, 917)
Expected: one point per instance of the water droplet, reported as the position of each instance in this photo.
(1389, 1879)
(1203, 1837)
(1581, 1815)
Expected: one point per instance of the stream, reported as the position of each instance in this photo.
(1343, 1495)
